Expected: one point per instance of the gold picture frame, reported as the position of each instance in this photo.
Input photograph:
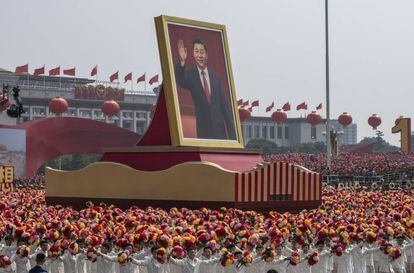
(162, 24)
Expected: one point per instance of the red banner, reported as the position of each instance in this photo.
(99, 92)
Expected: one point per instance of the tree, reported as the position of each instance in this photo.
(269, 147)
(379, 137)
(412, 141)
(73, 162)
(310, 148)
(3, 147)
(380, 145)
(265, 145)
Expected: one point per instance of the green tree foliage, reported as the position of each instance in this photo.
(310, 148)
(380, 145)
(269, 147)
(73, 162)
(265, 145)
(412, 141)
(3, 148)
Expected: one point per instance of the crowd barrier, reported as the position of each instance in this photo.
(392, 181)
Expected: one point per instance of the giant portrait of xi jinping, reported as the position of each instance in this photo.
(198, 83)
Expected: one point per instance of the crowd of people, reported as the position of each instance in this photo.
(34, 182)
(350, 232)
(351, 164)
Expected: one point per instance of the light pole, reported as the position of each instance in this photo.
(328, 125)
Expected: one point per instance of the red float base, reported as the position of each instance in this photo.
(187, 185)
(264, 207)
(157, 158)
(155, 152)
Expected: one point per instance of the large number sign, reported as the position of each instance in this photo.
(99, 92)
(403, 126)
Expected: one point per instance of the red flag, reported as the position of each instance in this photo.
(240, 102)
(154, 79)
(114, 76)
(255, 103)
(141, 79)
(69, 72)
(303, 106)
(319, 107)
(286, 107)
(39, 71)
(54, 71)
(245, 103)
(94, 71)
(128, 77)
(22, 69)
(270, 107)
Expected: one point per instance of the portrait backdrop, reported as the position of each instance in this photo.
(216, 64)
(13, 150)
(200, 103)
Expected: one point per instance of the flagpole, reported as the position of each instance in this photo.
(328, 126)
(145, 81)
(27, 74)
(44, 77)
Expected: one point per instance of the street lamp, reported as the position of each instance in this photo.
(334, 140)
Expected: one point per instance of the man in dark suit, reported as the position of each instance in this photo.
(40, 260)
(214, 117)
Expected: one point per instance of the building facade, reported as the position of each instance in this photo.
(37, 91)
(294, 131)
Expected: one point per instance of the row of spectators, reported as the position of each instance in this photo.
(350, 163)
(346, 164)
(31, 182)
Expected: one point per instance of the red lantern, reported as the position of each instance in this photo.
(58, 106)
(345, 119)
(110, 108)
(374, 121)
(314, 118)
(5, 105)
(398, 119)
(279, 116)
(244, 114)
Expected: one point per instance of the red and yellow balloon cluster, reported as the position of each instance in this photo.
(345, 217)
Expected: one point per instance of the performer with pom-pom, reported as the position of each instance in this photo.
(22, 257)
(191, 264)
(105, 260)
(157, 263)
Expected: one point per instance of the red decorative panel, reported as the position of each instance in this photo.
(52, 137)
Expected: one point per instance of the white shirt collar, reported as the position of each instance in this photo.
(205, 70)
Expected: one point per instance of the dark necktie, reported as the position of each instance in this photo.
(206, 88)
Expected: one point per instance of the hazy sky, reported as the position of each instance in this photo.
(276, 47)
